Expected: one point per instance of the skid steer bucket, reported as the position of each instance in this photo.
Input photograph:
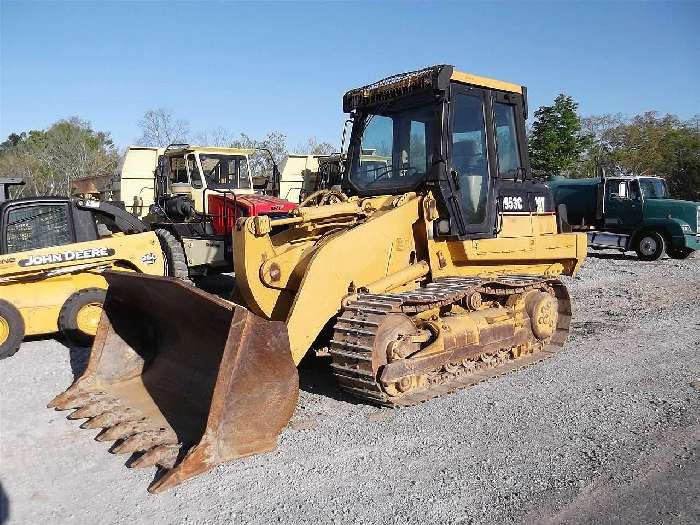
(184, 378)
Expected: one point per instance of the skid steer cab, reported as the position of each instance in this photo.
(53, 251)
(199, 194)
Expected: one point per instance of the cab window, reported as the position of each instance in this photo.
(394, 151)
(32, 227)
(617, 189)
(226, 170)
(179, 169)
(653, 188)
(469, 160)
(508, 152)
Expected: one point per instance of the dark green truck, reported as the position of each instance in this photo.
(630, 214)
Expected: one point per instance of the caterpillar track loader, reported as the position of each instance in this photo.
(53, 252)
(440, 269)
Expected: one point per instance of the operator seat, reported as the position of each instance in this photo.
(470, 164)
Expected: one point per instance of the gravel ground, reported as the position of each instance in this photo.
(604, 432)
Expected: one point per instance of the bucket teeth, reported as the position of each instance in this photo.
(123, 429)
(146, 440)
(108, 419)
(222, 392)
(163, 455)
(75, 399)
(93, 409)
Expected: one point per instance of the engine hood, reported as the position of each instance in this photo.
(687, 211)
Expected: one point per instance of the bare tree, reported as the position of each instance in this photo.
(215, 137)
(314, 147)
(260, 163)
(160, 128)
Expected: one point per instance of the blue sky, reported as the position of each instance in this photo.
(256, 67)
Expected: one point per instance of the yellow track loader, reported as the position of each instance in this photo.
(53, 253)
(437, 270)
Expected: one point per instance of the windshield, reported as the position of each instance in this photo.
(653, 188)
(225, 170)
(395, 150)
(181, 168)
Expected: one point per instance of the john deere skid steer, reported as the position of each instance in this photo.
(53, 252)
(438, 270)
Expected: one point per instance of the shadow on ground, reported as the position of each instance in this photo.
(613, 256)
(219, 284)
(79, 356)
(4, 506)
(316, 377)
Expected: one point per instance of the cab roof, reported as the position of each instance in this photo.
(491, 83)
(189, 148)
(434, 78)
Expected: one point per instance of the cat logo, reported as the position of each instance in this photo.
(149, 258)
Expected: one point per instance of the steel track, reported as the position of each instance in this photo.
(359, 324)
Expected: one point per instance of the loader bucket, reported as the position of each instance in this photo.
(183, 377)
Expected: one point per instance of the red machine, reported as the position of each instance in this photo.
(226, 208)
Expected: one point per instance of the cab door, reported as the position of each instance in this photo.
(472, 160)
(623, 205)
(34, 225)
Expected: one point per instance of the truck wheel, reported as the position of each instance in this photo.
(650, 246)
(11, 329)
(679, 253)
(80, 315)
(175, 260)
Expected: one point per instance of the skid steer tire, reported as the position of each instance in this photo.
(80, 315)
(175, 260)
(11, 329)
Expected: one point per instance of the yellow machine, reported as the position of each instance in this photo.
(53, 252)
(438, 270)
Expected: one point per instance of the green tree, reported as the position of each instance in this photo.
(556, 138)
(657, 145)
(49, 160)
(681, 155)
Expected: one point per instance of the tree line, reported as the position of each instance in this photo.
(561, 142)
(50, 160)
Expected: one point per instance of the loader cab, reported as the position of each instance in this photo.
(459, 135)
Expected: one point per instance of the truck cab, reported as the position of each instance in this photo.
(630, 213)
